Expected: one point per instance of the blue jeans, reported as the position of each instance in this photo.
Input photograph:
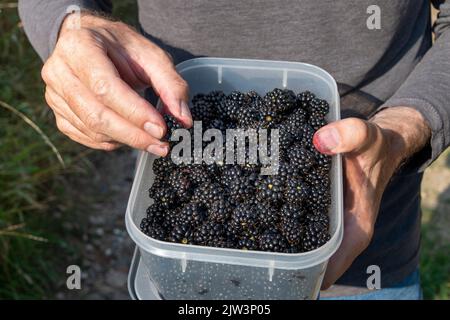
(408, 289)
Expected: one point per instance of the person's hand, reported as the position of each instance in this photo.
(372, 150)
(91, 78)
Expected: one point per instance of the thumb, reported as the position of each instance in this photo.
(348, 135)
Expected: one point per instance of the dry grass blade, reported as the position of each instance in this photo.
(5, 232)
(36, 128)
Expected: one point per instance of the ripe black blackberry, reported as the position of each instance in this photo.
(319, 199)
(272, 240)
(242, 189)
(202, 109)
(163, 166)
(307, 136)
(198, 175)
(153, 229)
(292, 230)
(181, 234)
(155, 213)
(305, 98)
(296, 191)
(220, 210)
(208, 232)
(166, 197)
(244, 219)
(286, 138)
(317, 123)
(291, 211)
(301, 158)
(208, 193)
(323, 161)
(269, 189)
(267, 215)
(280, 101)
(268, 118)
(315, 232)
(247, 244)
(247, 118)
(233, 103)
(179, 181)
(318, 108)
(192, 214)
(286, 171)
(230, 174)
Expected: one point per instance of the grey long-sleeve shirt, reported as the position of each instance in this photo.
(391, 66)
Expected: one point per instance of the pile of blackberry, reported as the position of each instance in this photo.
(234, 206)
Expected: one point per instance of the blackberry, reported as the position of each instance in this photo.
(280, 101)
(267, 215)
(286, 171)
(247, 118)
(198, 175)
(319, 199)
(244, 218)
(208, 232)
(172, 125)
(305, 98)
(181, 184)
(272, 240)
(233, 104)
(291, 211)
(315, 232)
(231, 174)
(202, 109)
(318, 108)
(296, 119)
(181, 234)
(192, 214)
(155, 213)
(292, 230)
(153, 229)
(286, 137)
(166, 197)
(301, 158)
(317, 123)
(269, 189)
(163, 166)
(208, 193)
(219, 210)
(268, 118)
(296, 191)
(242, 189)
(323, 161)
(247, 244)
(307, 136)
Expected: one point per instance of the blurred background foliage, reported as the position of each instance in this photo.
(36, 163)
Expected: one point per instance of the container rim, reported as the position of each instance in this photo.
(237, 256)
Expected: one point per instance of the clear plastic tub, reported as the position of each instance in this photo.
(181, 271)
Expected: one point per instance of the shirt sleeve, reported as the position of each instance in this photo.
(427, 90)
(42, 19)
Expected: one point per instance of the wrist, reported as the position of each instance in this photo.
(405, 130)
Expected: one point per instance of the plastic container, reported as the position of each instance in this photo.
(179, 271)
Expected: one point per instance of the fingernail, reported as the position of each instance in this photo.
(154, 130)
(159, 150)
(326, 140)
(185, 112)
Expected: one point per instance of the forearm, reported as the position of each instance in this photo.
(42, 19)
(406, 130)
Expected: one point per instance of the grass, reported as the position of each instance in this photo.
(33, 157)
(33, 187)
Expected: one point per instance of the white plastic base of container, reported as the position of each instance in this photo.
(139, 285)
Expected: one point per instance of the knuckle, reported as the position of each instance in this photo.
(138, 141)
(46, 71)
(61, 125)
(100, 87)
(99, 137)
(95, 121)
(109, 146)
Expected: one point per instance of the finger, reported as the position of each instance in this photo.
(61, 108)
(76, 135)
(98, 118)
(99, 74)
(158, 70)
(348, 135)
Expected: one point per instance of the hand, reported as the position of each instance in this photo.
(372, 150)
(91, 79)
